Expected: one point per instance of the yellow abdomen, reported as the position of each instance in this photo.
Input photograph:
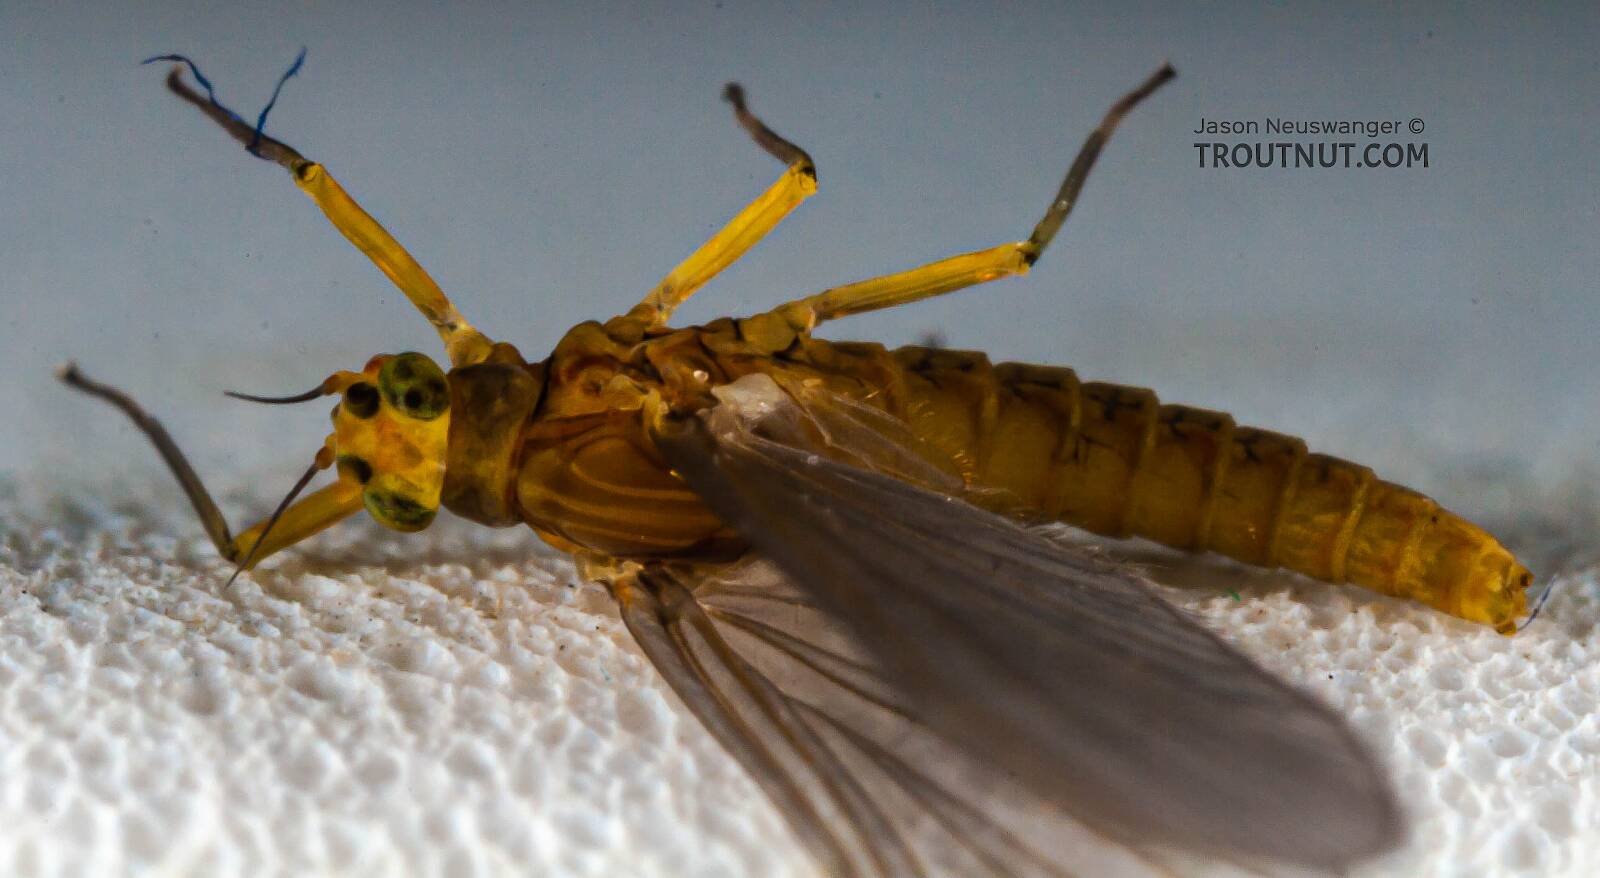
(1114, 461)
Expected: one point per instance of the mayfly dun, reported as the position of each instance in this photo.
(826, 550)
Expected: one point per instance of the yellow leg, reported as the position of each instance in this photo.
(956, 272)
(745, 230)
(320, 510)
(465, 344)
(288, 525)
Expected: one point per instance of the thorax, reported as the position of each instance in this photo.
(587, 476)
(579, 466)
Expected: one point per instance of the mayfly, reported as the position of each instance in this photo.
(827, 550)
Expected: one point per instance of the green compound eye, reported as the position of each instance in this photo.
(396, 511)
(415, 386)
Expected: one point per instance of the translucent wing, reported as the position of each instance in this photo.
(1028, 662)
(870, 790)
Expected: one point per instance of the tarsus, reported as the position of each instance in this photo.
(254, 146)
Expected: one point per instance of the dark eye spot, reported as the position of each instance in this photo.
(413, 398)
(355, 467)
(361, 400)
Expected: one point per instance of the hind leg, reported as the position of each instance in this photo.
(968, 269)
(745, 230)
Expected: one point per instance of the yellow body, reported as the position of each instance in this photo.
(566, 444)
(1029, 441)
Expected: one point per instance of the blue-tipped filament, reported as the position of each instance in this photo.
(254, 146)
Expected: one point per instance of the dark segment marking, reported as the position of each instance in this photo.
(1174, 418)
(1324, 470)
(1117, 400)
(1247, 443)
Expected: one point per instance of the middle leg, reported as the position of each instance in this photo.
(746, 229)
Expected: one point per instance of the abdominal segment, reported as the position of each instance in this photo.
(1115, 461)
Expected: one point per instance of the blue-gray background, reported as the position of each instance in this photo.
(547, 164)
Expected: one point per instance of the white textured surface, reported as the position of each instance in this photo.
(450, 705)
(453, 703)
